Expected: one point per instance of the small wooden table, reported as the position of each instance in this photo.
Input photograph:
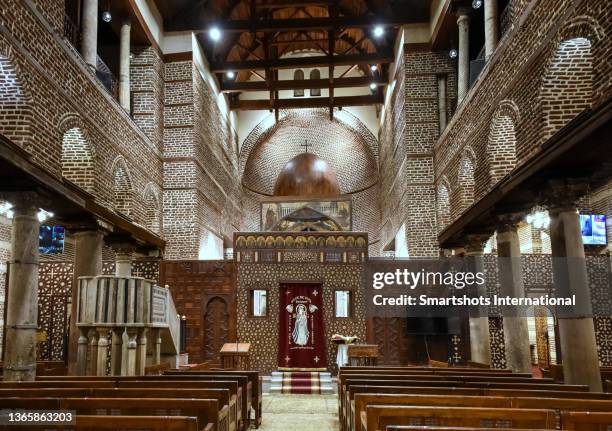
(362, 354)
(235, 356)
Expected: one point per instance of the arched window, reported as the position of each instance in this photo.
(501, 145)
(15, 109)
(315, 74)
(122, 189)
(298, 75)
(77, 163)
(568, 84)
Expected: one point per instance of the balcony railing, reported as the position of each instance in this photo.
(107, 78)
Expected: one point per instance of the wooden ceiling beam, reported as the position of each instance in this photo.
(295, 62)
(296, 24)
(312, 102)
(281, 4)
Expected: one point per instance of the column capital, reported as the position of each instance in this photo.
(508, 221)
(26, 202)
(562, 193)
(462, 15)
(474, 243)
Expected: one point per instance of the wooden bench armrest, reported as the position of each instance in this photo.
(223, 412)
(364, 421)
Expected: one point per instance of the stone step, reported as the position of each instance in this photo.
(325, 389)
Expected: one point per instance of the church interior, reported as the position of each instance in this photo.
(192, 192)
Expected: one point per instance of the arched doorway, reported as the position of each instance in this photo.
(216, 328)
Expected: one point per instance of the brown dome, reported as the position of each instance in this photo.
(306, 175)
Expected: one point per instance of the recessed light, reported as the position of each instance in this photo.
(230, 74)
(107, 16)
(379, 31)
(215, 34)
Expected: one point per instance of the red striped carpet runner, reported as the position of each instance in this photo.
(301, 383)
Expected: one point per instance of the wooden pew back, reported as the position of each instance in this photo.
(378, 417)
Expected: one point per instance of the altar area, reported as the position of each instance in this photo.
(328, 265)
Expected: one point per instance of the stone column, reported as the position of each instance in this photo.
(116, 351)
(442, 102)
(576, 330)
(141, 353)
(87, 262)
(81, 357)
(124, 65)
(156, 335)
(89, 37)
(516, 333)
(480, 345)
(463, 67)
(22, 295)
(130, 360)
(123, 262)
(491, 22)
(92, 364)
(103, 344)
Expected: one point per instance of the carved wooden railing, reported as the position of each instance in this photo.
(130, 318)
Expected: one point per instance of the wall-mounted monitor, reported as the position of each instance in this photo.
(51, 239)
(593, 228)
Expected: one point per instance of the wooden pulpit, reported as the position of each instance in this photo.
(235, 356)
(363, 354)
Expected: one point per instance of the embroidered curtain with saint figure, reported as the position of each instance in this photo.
(301, 332)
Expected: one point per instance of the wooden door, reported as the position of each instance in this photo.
(216, 328)
(388, 333)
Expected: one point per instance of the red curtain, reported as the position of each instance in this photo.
(301, 332)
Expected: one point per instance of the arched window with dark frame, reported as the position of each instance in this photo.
(315, 74)
(298, 75)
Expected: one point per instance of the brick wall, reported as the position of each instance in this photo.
(47, 90)
(410, 129)
(549, 67)
(201, 191)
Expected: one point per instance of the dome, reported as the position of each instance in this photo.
(307, 175)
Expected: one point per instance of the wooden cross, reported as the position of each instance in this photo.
(305, 145)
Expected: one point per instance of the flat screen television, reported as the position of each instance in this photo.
(51, 239)
(593, 228)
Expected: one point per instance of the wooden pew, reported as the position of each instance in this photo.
(345, 395)
(254, 380)
(432, 369)
(378, 417)
(242, 394)
(556, 404)
(586, 421)
(124, 423)
(157, 370)
(205, 411)
(460, 381)
(535, 394)
(222, 395)
(435, 428)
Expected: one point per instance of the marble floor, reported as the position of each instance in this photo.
(303, 412)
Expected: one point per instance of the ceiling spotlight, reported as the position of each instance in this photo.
(107, 16)
(453, 53)
(230, 74)
(373, 68)
(373, 86)
(215, 34)
(476, 4)
(379, 31)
